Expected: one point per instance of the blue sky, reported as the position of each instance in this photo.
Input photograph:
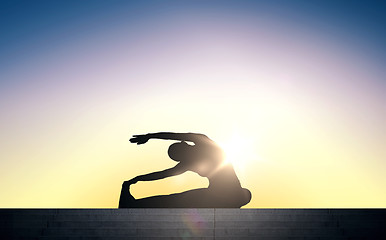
(28, 27)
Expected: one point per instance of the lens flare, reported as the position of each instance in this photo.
(239, 149)
(194, 222)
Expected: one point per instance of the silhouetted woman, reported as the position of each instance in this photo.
(206, 158)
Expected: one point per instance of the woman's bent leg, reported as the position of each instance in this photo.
(246, 196)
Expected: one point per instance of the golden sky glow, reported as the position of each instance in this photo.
(301, 115)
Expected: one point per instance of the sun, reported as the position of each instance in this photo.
(239, 149)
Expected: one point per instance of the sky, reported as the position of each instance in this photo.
(292, 90)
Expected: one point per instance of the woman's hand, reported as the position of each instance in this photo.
(131, 181)
(139, 139)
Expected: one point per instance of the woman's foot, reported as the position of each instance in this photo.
(126, 186)
(126, 200)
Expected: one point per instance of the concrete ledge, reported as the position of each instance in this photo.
(193, 223)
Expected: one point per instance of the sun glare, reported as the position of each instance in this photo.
(238, 150)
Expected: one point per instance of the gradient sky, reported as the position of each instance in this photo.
(300, 83)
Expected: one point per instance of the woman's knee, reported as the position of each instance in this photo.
(247, 196)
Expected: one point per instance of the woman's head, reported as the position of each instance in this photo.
(179, 151)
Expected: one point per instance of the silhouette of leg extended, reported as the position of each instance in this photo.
(197, 198)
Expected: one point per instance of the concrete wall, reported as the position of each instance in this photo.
(193, 223)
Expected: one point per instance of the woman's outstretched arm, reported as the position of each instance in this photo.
(192, 137)
(177, 170)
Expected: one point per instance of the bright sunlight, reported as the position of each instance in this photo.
(239, 149)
